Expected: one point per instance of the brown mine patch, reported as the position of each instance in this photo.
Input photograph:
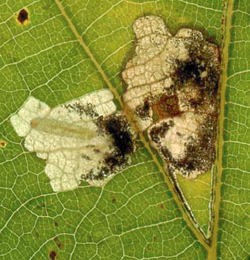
(23, 16)
(3, 144)
(52, 255)
(58, 243)
(114, 200)
(161, 206)
(158, 132)
(167, 106)
(56, 224)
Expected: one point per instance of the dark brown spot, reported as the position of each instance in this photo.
(167, 106)
(117, 127)
(158, 132)
(3, 144)
(161, 206)
(189, 70)
(143, 110)
(111, 161)
(122, 139)
(193, 70)
(22, 16)
(52, 255)
(87, 109)
(56, 224)
(58, 243)
(113, 200)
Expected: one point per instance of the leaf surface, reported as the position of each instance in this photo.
(234, 222)
(69, 48)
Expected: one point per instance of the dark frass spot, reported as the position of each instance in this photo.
(143, 111)
(112, 161)
(188, 70)
(87, 109)
(117, 127)
(52, 255)
(201, 70)
(22, 16)
(158, 132)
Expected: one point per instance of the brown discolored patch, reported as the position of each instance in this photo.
(114, 200)
(161, 206)
(33, 123)
(167, 106)
(23, 16)
(58, 242)
(56, 224)
(200, 153)
(52, 255)
(3, 144)
(143, 111)
(158, 132)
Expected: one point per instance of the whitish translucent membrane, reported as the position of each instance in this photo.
(68, 137)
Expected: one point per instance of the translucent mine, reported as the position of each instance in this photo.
(71, 138)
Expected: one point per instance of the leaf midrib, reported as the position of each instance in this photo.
(185, 215)
(228, 11)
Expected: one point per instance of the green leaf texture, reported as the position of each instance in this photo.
(234, 225)
(72, 47)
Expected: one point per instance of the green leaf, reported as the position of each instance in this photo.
(234, 221)
(69, 48)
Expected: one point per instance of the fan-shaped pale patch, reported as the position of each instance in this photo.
(83, 139)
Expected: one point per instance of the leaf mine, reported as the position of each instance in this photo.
(22, 17)
(172, 92)
(83, 139)
(3, 143)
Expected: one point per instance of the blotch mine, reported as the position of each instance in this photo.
(23, 16)
(172, 92)
(3, 143)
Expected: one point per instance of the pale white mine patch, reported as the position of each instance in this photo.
(79, 139)
(172, 86)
